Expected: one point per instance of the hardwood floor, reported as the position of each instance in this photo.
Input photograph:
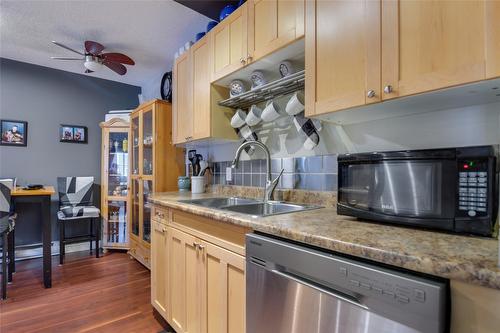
(109, 294)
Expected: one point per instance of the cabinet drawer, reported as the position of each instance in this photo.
(160, 214)
(230, 237)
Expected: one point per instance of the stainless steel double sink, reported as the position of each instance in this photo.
(255, 208)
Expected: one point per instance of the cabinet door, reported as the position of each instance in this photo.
(272, 24)
(342, 54)
(159, 269)
(431, 44)
(136, 206)
(147, 189)
(492, 39)
(184, 282)
(200, 60)
(229, 43)
(223, 290)
(182, 99)
(134, 158)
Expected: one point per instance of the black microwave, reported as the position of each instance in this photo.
(452, 189)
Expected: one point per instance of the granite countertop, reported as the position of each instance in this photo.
(468, 259)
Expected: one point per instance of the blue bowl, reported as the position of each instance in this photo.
(226, 11)
(211, 25)
(199, 36)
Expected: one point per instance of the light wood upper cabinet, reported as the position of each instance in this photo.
(185, 275)
(492, 39)
(200, 62)
(273, 24)
(428, 45)
(342, 54)
(159, 269)
(223, 308)
(182, 99)
(229, 43)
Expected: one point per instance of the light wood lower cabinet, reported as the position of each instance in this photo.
(159, 277)
(223, 288)
(197, 285)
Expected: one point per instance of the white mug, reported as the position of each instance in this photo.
(238, 119)
(295, 104)
(271, 112)
(253, 116)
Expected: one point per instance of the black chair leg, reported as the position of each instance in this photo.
(10, 249)
(97, 235)
(90, 233)
(4, 266)
(61, 242)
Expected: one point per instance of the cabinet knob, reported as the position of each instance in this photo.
(249, 57)
(242, 60)
(388, 89)
(201, 247)
(370, 93)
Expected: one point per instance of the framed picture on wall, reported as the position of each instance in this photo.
(14, 133)
(73, 133)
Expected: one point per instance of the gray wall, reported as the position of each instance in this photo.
(45, 98)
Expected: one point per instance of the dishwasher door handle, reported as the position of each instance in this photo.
(318, 288)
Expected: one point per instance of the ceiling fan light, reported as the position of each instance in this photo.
(92, 65)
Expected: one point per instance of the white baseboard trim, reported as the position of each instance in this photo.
(23, 254)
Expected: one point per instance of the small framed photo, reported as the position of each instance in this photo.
(14, 133)
(73, 133)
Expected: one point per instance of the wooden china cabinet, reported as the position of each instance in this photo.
(115, 201)
(155, 165)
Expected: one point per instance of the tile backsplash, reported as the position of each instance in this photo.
(316, 173)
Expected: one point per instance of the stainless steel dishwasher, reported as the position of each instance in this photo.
(295, 289)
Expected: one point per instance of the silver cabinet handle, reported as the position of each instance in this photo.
(388, 89)
(370, 93)
(242, 60)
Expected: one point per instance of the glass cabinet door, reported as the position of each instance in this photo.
(135, 145)
(147, 143)
(118, 164)
(117, 222)
(135, 206)
(146, 215)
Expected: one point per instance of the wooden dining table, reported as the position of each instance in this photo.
(40, 197)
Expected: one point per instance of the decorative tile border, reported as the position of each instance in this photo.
(315, 173)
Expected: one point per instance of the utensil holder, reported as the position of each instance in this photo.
(198, 184)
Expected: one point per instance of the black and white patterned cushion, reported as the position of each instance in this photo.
(75, 198)
(77, 212)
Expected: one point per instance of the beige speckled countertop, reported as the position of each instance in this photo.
(468, 259)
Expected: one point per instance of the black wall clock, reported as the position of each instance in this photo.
(166, 87)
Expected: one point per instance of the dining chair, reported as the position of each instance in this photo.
(7, 225)
(76, 203)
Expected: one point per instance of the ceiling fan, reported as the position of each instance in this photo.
(94, 59)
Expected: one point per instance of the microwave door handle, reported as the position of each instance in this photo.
(330, 292)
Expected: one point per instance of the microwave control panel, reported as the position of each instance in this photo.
(472, 188)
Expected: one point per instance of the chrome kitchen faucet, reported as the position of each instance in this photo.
(270, 184)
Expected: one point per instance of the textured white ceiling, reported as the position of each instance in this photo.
(147, 31)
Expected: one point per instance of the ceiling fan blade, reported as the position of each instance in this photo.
(93, 47)
(67, 48)
(116, 67)
(88, 71)
(66, 58)
(118, 57)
